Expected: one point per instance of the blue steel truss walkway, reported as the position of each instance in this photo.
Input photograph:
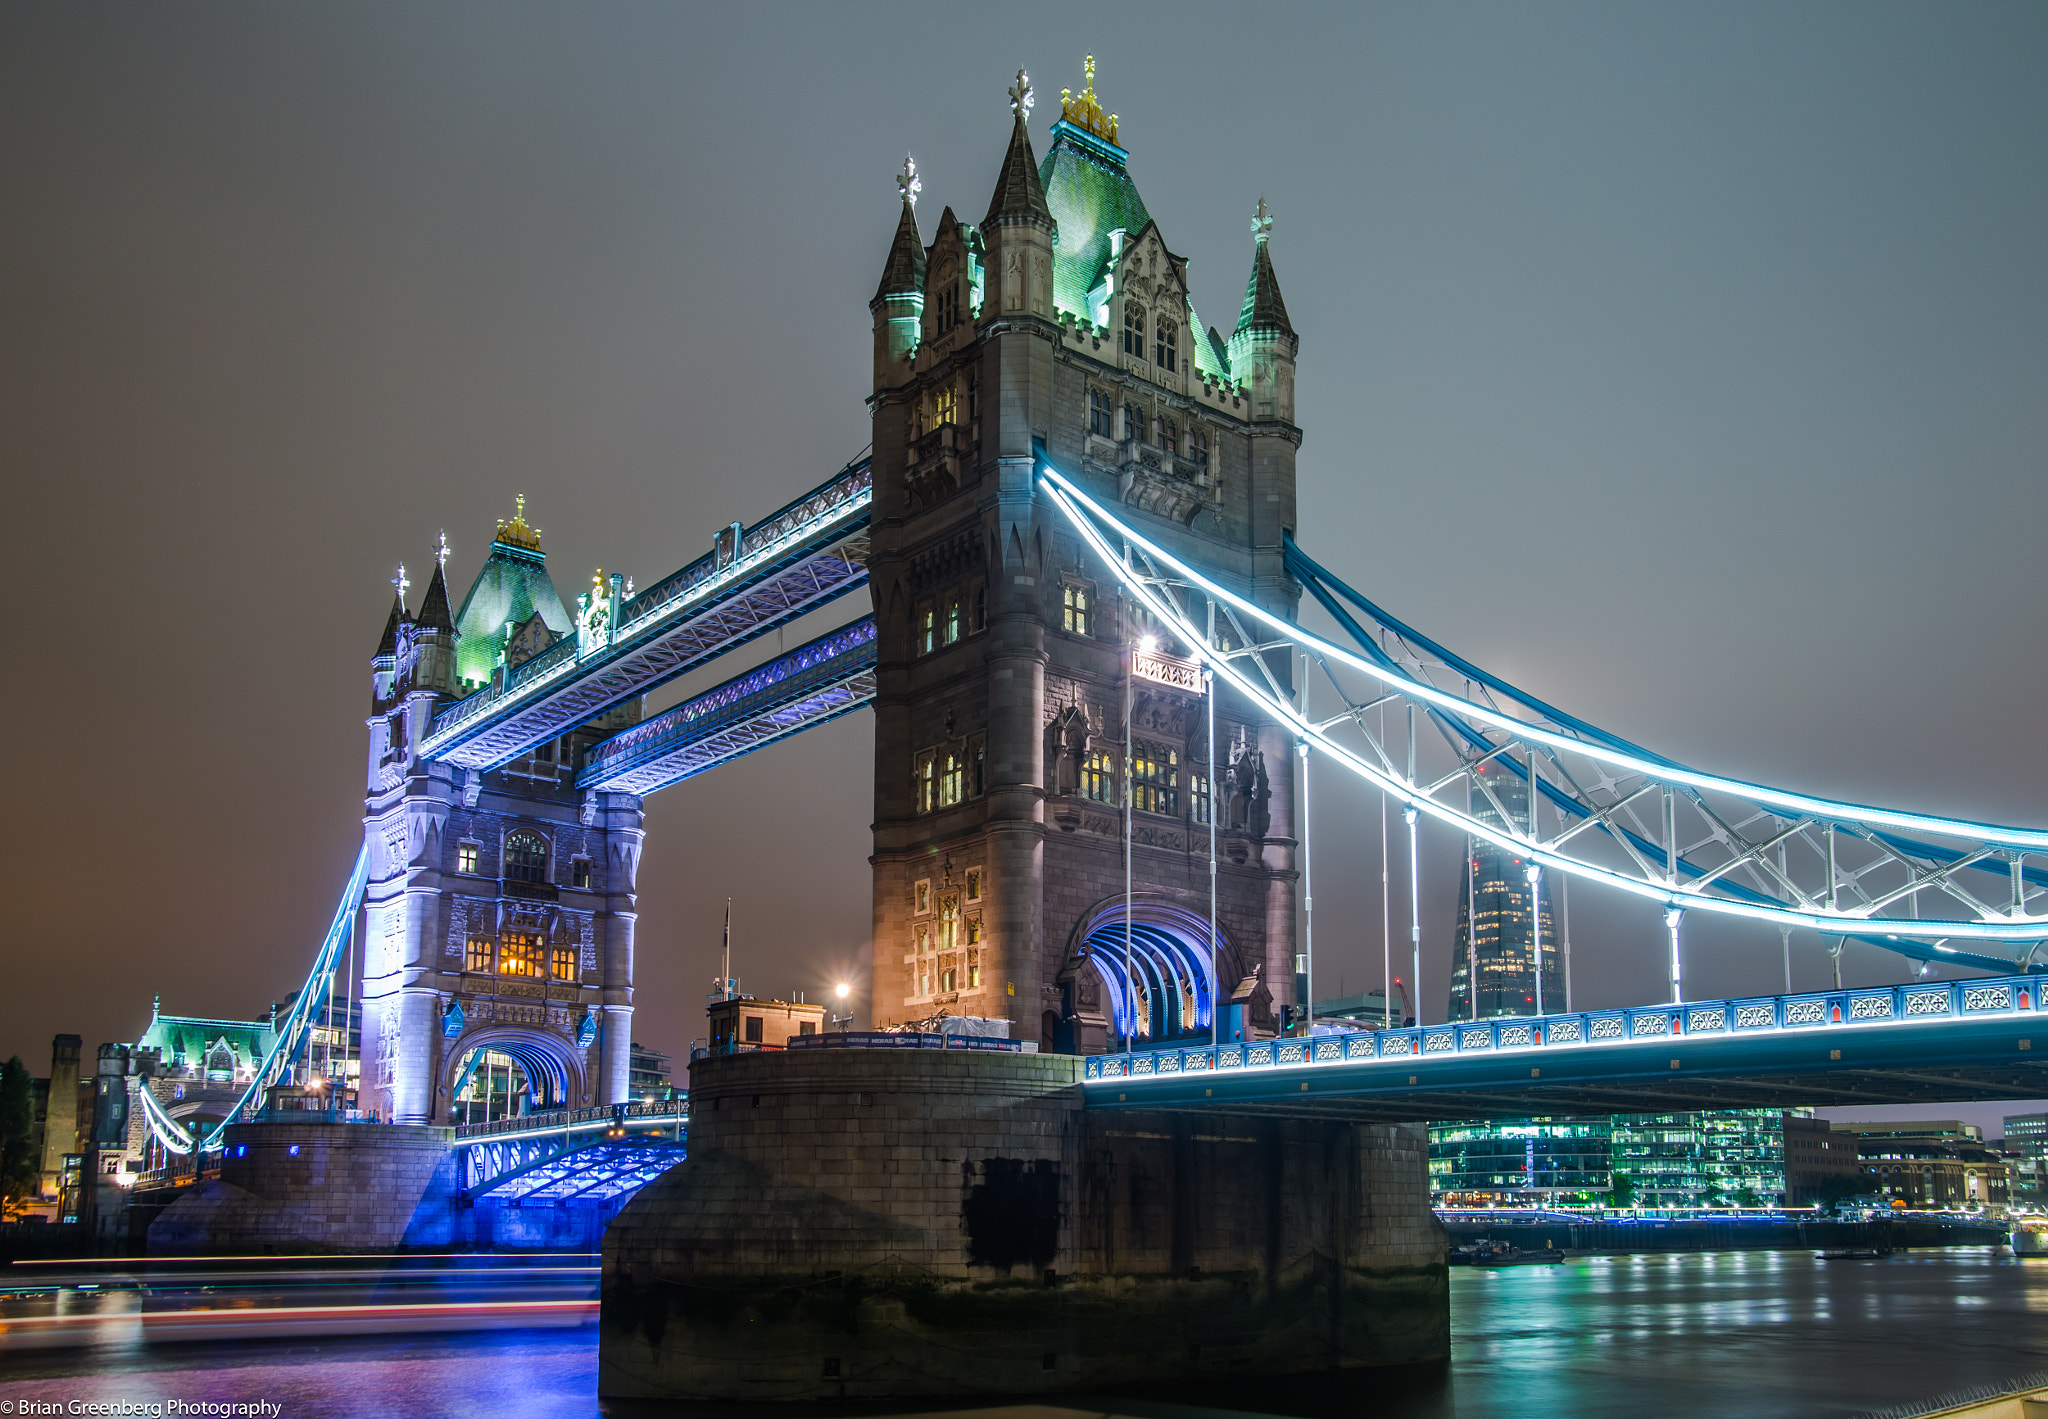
(1934, 1042)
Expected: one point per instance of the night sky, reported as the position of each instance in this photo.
(1686, 364)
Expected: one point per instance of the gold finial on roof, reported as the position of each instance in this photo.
(1085, 112)
(515, 533)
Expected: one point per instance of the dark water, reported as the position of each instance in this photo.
(1733, 1333)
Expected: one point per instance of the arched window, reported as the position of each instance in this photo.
(526, 858)
(1134, 332)
(1166, 345)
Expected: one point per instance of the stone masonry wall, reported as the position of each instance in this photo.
(887, 1224)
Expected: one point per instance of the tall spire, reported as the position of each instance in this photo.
(1263, 309)
(434, 612)
(904, 272)
(388, 643)
(1019, 196)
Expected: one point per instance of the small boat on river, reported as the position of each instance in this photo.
(1491, 1253)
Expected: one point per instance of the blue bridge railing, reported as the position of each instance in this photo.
(1870, 1008)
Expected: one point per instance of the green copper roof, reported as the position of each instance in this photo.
(512, 586)
(1090, 194)
(185, 1039)
(1263, 309)
(903, 274)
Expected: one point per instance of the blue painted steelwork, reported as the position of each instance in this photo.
(597, 1173)
(1601, 1044)
(291, 1030)
(1169, 958)
(1590, 778)
(489, 1151)
(816, 682)
(804, 555)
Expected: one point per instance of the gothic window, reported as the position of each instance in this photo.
(951, 779)
(977, 602)
(466, 857)
(974, 884)
(927, 782)
(1101, 414)
(544, 753)
(921, 896)
(927, 628)
(1134, 332)
(945, 407)
(949, 921)
(974, 966)
(977, 766)
(974, 396)
(478, 957)
(974, 931)
(949, 307)
(954, 616)
(1155, 778)
(526, 857)
(1074, 608)
(948, 976)
(1134, 422)
(521, 955)
(565, 962)
(1198, 796)
(579, 872)
(1166, 345)
(1098, 776)
(1169, 435)
(1198, 446)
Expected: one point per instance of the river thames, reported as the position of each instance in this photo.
(1756, 1334)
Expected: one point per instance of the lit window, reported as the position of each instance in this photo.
(1198, 796)
(927, 783)
(946, 977)
(579, 872)
(974, 931)
(945, 407)
(950, 780)
(954, 615)
(465, 858)
(949, 921)
(921, 896)
(521, 955)
(974, 884)
(1074, 608)
(927, 628)
(1166, 346)
(974, 970)
(1134, 332)
(1155, 777)
(1101, 414)
(478, 957)
(526, 858)
(1098, 776)
(565, 963)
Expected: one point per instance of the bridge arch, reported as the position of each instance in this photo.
(553, 1066)
(1167, 990)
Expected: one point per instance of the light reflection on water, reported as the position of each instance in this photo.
(1761, 1334)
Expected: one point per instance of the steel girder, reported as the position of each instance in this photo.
(1441, 735)
(816, 682)
(595, 1172)
(803, 556)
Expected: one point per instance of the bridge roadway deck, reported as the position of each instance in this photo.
(1839, 1059)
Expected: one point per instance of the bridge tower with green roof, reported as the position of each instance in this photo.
(1062, 319)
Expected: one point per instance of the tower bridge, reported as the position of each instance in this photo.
(1098, 716)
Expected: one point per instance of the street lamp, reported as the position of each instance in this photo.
(841, 991)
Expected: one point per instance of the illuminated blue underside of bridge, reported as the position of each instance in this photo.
(1934, 1042)
(794, 561)
(816, 682)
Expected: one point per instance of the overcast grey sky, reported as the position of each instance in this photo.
(1737, 312)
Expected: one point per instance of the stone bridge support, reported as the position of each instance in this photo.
(896, 1224)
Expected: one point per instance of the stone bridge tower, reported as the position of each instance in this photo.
(498, 916)
(1001, 781)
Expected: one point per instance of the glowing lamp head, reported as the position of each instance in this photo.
(842, 990)
(1148, 644)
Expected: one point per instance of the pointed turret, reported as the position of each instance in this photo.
(898, 305)
(1263, 346)
(1018, 231)
(434, 612)
(434, 633)
(1019, 195)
